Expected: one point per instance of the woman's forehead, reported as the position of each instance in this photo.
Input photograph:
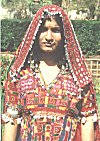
(56, 19)
(52, 23)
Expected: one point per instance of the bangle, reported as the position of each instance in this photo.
(6, 119)
(11, 110)
(92, 118)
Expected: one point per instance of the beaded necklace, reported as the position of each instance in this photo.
(43, 83)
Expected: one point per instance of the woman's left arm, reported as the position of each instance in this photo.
(87, 130)
(89, 114)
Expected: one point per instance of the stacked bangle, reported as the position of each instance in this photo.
(11, 115)
(6, 119)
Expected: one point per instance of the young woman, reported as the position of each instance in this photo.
(49, 87)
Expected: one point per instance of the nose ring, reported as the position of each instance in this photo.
(49, 40)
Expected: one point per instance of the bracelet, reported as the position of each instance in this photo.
(93, 118)
(6, 119)
(11, 115)
(12, 111)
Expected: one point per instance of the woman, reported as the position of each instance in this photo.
(49, 87)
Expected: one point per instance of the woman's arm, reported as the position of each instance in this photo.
(10, 131)
(87, 130)
(11, 101)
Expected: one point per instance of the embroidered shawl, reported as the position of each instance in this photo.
(73, 51)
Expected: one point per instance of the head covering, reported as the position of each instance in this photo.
(73, 52)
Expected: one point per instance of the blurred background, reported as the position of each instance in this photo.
(77, 9)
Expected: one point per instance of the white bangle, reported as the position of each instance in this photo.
(93, 118)
(6, 119)
(12, 111)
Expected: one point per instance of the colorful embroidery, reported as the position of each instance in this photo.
(50, 113)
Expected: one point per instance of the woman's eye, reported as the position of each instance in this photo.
(44, 29)
(56, 30)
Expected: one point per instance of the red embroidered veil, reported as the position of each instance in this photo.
(73, 51)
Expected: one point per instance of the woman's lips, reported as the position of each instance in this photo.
(49, 44)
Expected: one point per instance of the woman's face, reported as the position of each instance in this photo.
(50, 36)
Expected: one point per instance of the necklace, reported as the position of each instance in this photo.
(41, 80)
(52, 83)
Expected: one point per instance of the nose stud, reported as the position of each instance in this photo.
(49, 40)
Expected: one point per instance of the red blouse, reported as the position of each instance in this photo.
(50, 113)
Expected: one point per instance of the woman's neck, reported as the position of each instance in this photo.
(48, 72)
(49, 60)
(48, 67)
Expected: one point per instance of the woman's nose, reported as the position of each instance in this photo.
(49, 36)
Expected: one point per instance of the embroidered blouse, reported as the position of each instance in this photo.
(49, 113)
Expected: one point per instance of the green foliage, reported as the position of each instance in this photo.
(17, 8)
(34, 7)
(57, 2)
(88, 34)
(12, 32)
(4, 67)
(97, 85)
(24, 8)
(5, 61)
(97, 89)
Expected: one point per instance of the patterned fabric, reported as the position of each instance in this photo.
(53, 112)
(49, 113)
